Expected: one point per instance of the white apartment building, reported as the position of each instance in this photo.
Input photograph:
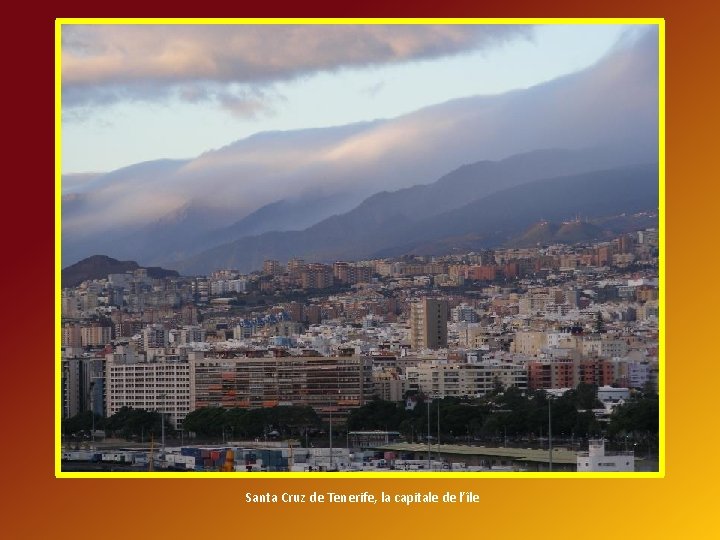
(561, 339)
(388, 384)
(162, 386)
(641, 373)
(464, 313)
(443, 379)
(605, 347)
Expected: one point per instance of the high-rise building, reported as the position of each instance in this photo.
(83, 386)
(350, 274)
(334, 384)
(95, 335)
(313, 314)
(71, 392)
(154, 386)
(71, 335)
(295, 266)
(155, 336)
(316, 276)
(428, 324)
(271, 267)
(341, 272)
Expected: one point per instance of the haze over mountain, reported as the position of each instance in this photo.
(492, 220)
(161, 211)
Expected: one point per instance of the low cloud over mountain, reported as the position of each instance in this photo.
(491, 220)
(613, 103)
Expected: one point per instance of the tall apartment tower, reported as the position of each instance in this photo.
(428, 324)
(272, 267)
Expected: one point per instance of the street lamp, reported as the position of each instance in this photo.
(550, 459)
(439, 456)
(92, 409)
(331, 448)
(428, 433)
(91, 400)
(162, 421)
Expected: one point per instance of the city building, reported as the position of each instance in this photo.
(95, 335)
(445, 379)
(162, 385)
(155, 336)
(83, 386)
(329, 384)
(428, 324)
(596, 459)
(533, 318)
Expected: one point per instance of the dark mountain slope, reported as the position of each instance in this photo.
(99, 266)
(493, 220)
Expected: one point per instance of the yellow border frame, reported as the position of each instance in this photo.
(415, 475)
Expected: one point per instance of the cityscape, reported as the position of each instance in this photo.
(417, 294)
(350, 337)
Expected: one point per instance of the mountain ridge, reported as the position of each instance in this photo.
(597, 193)
(614, 101)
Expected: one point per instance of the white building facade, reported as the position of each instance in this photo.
(154, 386)
(597, 460)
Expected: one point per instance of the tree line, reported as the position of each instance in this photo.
(209, 422)
(501, 415)
(127, 423)
(513, 414)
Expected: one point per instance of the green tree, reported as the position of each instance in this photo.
(649, 390)
(640, 417)
(586, 396)
(82, 422)
(292, 420)
(130, 423)
(378, 414)
(206, 421)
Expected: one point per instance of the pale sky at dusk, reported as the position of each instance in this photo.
(138, 93)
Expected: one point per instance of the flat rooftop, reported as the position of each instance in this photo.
(560, 455)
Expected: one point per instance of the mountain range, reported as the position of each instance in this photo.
(272, 188)
(481, 205)
(374, 230)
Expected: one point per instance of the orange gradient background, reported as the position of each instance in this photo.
(683, 504)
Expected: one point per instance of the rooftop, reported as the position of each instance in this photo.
(560, 455)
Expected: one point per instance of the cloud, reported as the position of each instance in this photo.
(375, 89)
(248, 104)
(243, 107)
(106, 63)
(78, 182)
(614, 102)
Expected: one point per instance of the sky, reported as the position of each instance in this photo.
(134, 93)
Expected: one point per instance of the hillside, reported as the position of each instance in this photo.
(99, 266)
(491, 221)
